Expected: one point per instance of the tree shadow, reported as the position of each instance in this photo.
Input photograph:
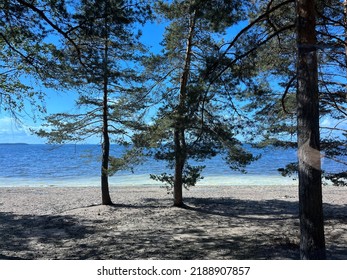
(26, 236)
(230, 207)
(207, 228)
(281, 216)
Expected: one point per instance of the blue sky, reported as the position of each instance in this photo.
(56, 101)
(18, 131)
(12, 131)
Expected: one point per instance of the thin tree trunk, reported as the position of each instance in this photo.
(179, 165)
(179, 131)
(105, 193)
(106, 199)
(345, 27)
(312, 243)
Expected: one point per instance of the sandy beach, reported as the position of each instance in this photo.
(239, 222)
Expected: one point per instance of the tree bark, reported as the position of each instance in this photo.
(312, 243)
(179, 165)
(179, 130)
(345, 26)
(105, 193)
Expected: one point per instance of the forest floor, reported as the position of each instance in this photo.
(244, 222)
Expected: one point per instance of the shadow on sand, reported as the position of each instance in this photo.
(209, 228)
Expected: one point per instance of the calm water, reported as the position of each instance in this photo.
(78, 165)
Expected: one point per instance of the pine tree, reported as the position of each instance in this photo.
(275, 102)
(195, 120)
(272, 42)
(101, 65)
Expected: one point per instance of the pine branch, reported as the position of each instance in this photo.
(26, 58)
(43, 16)
(289, 84)
(247, 28)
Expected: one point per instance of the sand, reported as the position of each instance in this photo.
(244, 222)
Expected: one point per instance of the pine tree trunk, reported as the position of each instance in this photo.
(179, 165)
(345, 26)
(312, 243)
(179, 132)
(105, 193)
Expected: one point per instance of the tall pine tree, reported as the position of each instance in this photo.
(282, 49)
(101, 61)
(195, 120)
(275, 101)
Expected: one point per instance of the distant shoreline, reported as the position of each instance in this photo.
(47, 144)
(7, 144)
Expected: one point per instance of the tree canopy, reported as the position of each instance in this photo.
(93, 49)
(195, 119)
(269, 72)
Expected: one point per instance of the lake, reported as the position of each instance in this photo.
(79, 165)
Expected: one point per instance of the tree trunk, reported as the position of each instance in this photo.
(179, 131)
(312, 243)
(345, 26)
(105, 193)
(179, 165)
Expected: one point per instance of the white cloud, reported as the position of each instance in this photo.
(8, 125)
(12, 131)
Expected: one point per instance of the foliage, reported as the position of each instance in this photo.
(212, 90)
(273, 102)
(21, 50)
(191, 175)
(195, 119)
(100, 26)
(100, 54)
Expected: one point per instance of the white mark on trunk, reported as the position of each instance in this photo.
(310, 156)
